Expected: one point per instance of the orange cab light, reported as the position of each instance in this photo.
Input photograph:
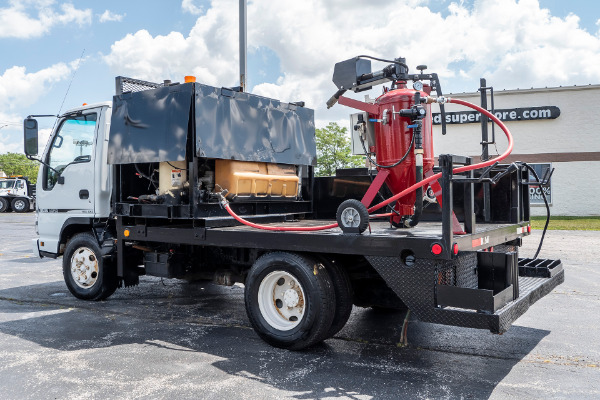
(84, 104)
(189, 78)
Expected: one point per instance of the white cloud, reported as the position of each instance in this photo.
(209, 52)
(9, 146)
(19, 90)
(109, 16)
(33, 18)
(513, 44)
(189, 7)
(11, 126)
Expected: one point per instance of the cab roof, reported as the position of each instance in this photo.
(88, 106)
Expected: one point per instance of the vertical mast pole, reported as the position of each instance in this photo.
(243, 38)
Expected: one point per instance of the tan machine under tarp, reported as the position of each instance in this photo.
(257, 179)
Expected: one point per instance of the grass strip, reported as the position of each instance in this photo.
(567, 223)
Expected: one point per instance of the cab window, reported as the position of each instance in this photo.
(72, 144)
(7, 184)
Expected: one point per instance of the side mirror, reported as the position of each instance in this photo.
(30, 128)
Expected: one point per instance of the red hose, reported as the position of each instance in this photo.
(277, 228)
(406, 191)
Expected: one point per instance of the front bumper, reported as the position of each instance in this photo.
(35, 247)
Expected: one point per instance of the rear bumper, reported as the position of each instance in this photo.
(531, 289)
(450, 294)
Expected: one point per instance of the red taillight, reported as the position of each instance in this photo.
(528, 228)
(436, 249)
(455, 249)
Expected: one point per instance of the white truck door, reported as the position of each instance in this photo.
(71, 153)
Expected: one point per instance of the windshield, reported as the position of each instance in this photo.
(7, 184)
(73, 143)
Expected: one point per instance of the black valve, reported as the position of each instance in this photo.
(421, 68)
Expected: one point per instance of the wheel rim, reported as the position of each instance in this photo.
(84, 267)
(350, 217)
(19, 205)
(281, 300)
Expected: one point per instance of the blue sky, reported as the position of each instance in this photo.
(292, 47)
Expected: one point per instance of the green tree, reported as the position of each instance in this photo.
(333, 150)
(18, 164)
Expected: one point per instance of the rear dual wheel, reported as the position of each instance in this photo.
(3, 205)
(291, 300)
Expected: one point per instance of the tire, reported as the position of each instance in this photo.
(3, 205)
(352, 216)
(310, 300)
(82, 256)
(20, 205)
(343, 296)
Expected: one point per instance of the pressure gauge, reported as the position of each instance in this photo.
(418, 85)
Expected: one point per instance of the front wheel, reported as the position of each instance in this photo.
(20, 205)
(290, 300)
(88, 276)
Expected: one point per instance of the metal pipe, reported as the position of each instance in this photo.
(243, 46)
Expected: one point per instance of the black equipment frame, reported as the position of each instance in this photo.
(476, 280)
(473, 288)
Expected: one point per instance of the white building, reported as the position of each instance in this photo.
(555, 127)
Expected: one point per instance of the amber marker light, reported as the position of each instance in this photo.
(126, 233)
(189, 78)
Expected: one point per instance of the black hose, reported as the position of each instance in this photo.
(414, 219)
(150, 178)
(334, 99)
(183, 169)
(412, 141)
(537, 178)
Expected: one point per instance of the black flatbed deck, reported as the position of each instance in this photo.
(379, 240)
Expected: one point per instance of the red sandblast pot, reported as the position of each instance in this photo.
(392, 140)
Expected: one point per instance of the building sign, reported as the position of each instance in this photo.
(535, 191)
(507, 114)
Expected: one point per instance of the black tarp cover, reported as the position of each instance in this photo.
(152, 126)
(243, 126)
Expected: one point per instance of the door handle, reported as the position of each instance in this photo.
(84, 194)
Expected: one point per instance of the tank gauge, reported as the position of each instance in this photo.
(418, 85)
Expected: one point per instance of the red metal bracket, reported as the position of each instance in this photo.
(359, 105)
(374, 187)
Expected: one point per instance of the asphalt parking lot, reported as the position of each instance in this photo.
(172, 339)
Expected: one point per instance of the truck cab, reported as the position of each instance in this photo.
(73, 186)
(16, 193)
